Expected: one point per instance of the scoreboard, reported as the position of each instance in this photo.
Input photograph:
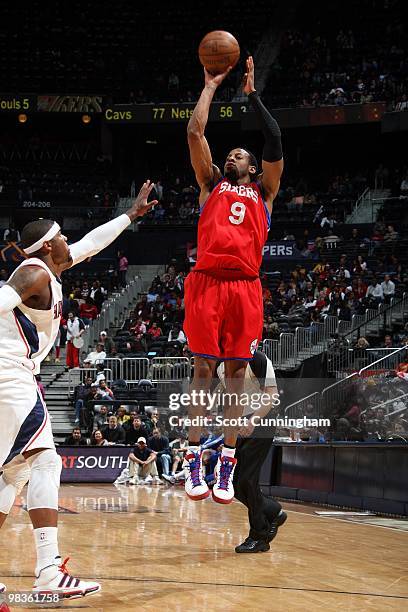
(171, 113)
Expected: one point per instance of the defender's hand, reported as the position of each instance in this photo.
(248, 82)
(141, 206)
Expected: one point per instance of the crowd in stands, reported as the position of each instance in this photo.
(58, 173)
(97, 52)
(324, 57)
(375, 407)
(332, 61)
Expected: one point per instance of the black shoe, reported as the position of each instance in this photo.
(275, 524)
(252, 546)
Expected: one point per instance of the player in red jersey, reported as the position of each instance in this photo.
(223, 295)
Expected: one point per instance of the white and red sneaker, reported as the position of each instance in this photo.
(195, 485)
(57, 579)
(223, 489)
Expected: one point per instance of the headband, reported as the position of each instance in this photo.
(52, 232)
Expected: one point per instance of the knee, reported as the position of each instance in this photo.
(16, 474)
(46, 461)
(46, 468)
(203, 368)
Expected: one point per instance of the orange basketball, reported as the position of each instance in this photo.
(218, 50)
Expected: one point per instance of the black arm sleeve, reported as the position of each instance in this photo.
(273, 145)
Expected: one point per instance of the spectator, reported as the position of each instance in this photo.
(177, 334)
(390, 235)
(11, 234)
(88, 311)
(103, 391)
(101, 418)
(152, 420)
(374, 291)
(85, 290)
(80, 396)
(76, 438)
(178, 447)
(154, 331)
(114, 433)
(136, 430)
(142, 464)
(75, 328)
(97, 439)
(122, 415)
(86, 412)
(3, 277)
(388, 343)
(388, 288)
(108, 344)
(95, 357)
(160, 445)
(97, 293)
(123, 268)
(329, 221)
(139, 329)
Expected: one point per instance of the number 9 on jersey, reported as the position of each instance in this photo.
(237, 213)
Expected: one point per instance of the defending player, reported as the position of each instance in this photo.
(223, 295)
(265, 514)
(30, 312)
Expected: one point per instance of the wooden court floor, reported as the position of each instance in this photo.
(153, 549)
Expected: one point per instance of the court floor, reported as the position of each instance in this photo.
(152, 548)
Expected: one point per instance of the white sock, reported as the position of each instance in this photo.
(228, 452)
(46, 543)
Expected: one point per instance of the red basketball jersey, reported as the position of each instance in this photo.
(232, 230)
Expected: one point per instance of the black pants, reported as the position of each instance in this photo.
(251, 454)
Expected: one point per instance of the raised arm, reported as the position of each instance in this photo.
(102, 236)
(201, 160)
(272, 157)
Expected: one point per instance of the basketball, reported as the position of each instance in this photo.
(218, 50)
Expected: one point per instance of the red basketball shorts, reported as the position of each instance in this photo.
(224, 318)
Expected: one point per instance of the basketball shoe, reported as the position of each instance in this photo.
(57, 579)
(223, 489)
(195, 485)
(2, 588)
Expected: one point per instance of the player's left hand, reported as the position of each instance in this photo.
(248, 82)
(141, 206)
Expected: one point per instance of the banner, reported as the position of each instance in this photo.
(70, 104)
(280, 249)
(92, 463)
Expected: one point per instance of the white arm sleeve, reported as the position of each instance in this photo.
(9, 299)
(98, 239)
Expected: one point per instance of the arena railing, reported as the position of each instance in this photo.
(309, 406)
(135, 369)
(335, 394)
(169, 369)
(112, 313)
(380, 320)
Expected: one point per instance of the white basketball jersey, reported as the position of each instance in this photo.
(27, 334)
